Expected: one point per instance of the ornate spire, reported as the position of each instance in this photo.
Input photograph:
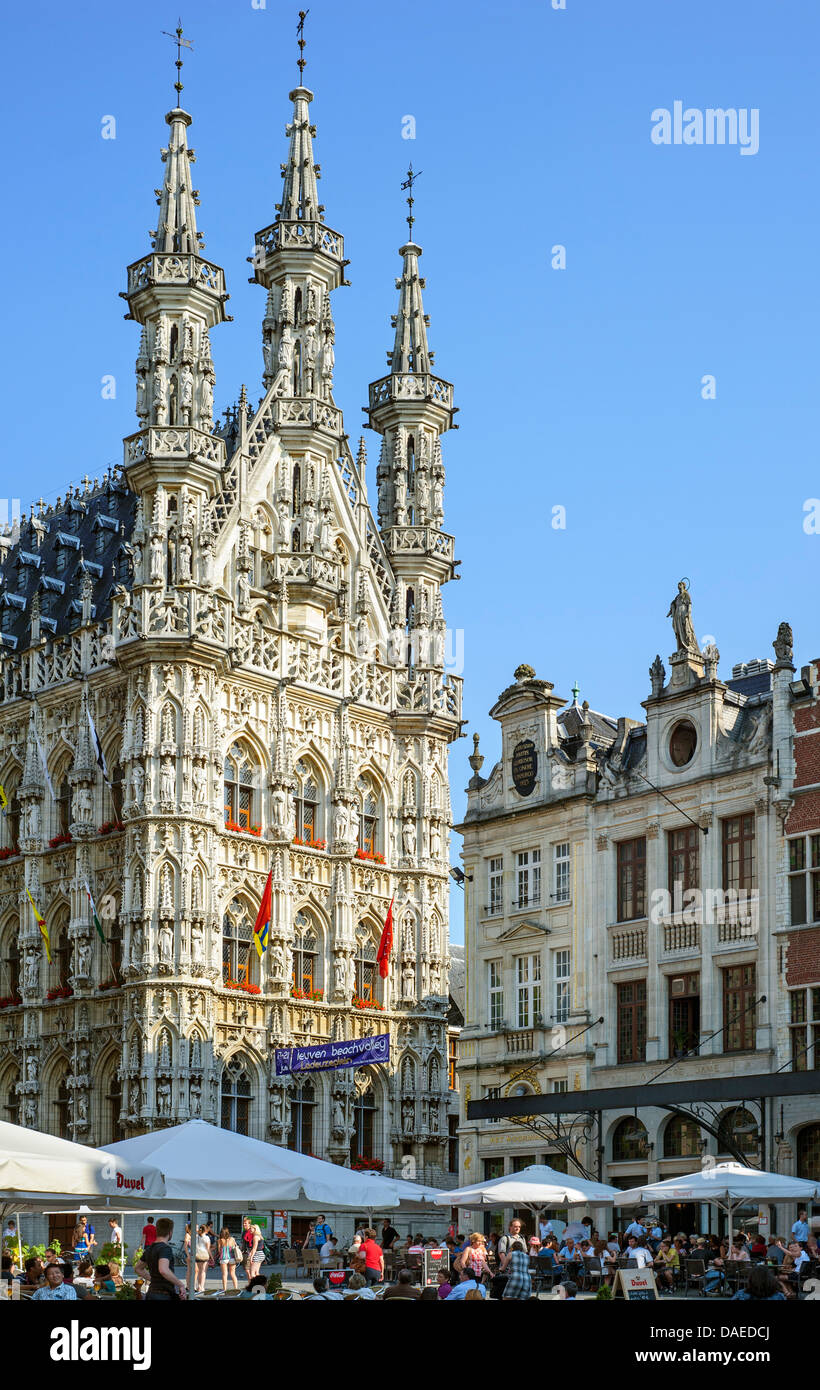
(410, 350)
(300, 195)
(176, 227)
(177, 296)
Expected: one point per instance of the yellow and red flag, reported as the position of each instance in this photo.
(41, 922)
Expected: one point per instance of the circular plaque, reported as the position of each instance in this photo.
(524, 767)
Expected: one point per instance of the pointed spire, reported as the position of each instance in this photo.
(410, 349)
(300, 195)
(176, 227)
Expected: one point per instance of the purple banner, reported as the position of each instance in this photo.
(358, 1052)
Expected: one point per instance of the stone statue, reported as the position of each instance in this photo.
(138, 781)
(408, 1116)
(276, 1109)
(309, 527)
(341, 825)
(283, 525)
(680, 611)
(156, 560)
(286, 350)
(160, 398)
(168, 781)
(31, 1114)
(163, 1098)
(166, 943)
(206, 408)
(31, 1069)
(200, 784)
(435, 840)
(184, 552)
(338, 1125)
(186, 393)
(33, 820)
(408, 838)
(197, 945)
(82, 1108)
(279, 808)
(142, 409)
(408, 980)
(83, 958)
(196, 1096)
(328, 360)
(243, 591)
(783, 645)
(339, 976)
(309, 347)
(83, 804)
(657, 675)
(31, 973)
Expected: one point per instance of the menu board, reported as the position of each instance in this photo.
(636, 1285)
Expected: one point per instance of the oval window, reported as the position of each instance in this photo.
(683, 743)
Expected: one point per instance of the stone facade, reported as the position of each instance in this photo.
(263, 665)
(587, 967)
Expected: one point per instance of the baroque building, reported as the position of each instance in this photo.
(263, 665)
(628, 925)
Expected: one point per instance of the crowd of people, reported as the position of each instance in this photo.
(508, 1266)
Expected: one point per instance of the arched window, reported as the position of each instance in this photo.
(62, 803)
(112, 1123)
(61, 954)
(99, 540)
(306, 803)
(366, 969)
(297, 368)
(808, 1152)
(62, 1109)
(297, 308)
(369, 820)
(9, 1099)
(411, 476)
(240, 794)
(737, 1129)
(305, 955)
(302, 1113)
(629, 1140)
(362, 1142)
(238, 952)
(681, 1138)
(297, 489)
(10, 822)
(117, 778)
(235, 1109)
(10, 953)
(174, 343)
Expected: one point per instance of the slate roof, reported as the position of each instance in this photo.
(87, 534)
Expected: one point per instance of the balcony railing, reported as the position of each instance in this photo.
(681, 936)
(522, 1040)
(627, 943)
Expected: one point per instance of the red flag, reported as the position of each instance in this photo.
(386, 943)
(261, 925)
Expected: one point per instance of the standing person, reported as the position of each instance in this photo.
(328, 1252)
(637, 1229)
(322, 1232)
(203, 1254)
(373, 1258)
(516, 1265)
(544, 1228)
(800, 1229)
(254, 1249)
(158, 1261)
(80, 1238)
(514, 1239)
(116, 1235)
(211, 1234)
(228, 1255)
(149, 1233)
(389, 1234)
(474, 1259)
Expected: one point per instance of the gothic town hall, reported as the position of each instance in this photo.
(217, 663)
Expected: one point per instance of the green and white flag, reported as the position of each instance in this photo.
(94, 917)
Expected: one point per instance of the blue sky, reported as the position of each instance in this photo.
(579, 388)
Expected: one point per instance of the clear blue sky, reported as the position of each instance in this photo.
(578, 387)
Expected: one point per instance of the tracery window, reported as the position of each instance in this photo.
(239, 957)
(240, 792)
(306, 803)
(305, 955)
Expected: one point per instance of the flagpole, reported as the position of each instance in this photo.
(93, 911)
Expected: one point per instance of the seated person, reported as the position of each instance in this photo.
(114, 1272)
(667, 1264)
(257, 1283)
(403, 1287)
(762, 1284)
(103, 1282)
(54, 1288)
(444, 1285)
(775, 1250)
(85, 1274)
(465, 1285)
(358, 1285)
(34, 1273)
(328, 1252)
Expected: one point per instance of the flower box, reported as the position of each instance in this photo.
(10, 1001)
(367, 1004)
(240, 985)
(370, 858)
(243, 829)
(309, 844)
(60, 840)
(9, 853)
(109, 984)
(315, 996)
(363, 1164)
(64, 992)
(110, 825)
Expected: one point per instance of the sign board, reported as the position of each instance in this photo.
(636, 1285)
(524, 767)
(329, 1056)
(280, 1225)
(431, 1262)
(763, 1221)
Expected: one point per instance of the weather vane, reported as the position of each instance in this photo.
(180, 43)
(300, 30)
(412, 175)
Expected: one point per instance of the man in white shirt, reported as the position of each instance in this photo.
(544, 1229)
(328, 1252)
(636, 1229)
(637, 1251)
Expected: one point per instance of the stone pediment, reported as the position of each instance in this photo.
(522, 929)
